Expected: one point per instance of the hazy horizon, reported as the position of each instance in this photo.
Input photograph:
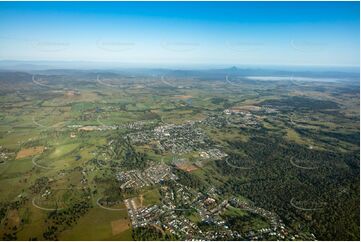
(19, 65)
(182, 33)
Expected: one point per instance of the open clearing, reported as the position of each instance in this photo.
(30, 152)
(120, 225)
(187, 167)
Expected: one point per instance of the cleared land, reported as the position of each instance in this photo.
(81, 144)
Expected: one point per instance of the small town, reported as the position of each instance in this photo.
(151, 176)
(178, 201)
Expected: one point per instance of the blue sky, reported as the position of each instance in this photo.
(159, 33)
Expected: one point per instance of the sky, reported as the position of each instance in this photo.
(178, 33)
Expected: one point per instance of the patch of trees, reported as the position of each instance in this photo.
(353, 138)
(64, 218)
(221, 100)
(129, 157)
(208, 225)
(244, 223)
(301, 103)
(3, 209)
(50, 233)
(40, 185)
(147, 233)
(328, 137)
(331, 187)
(188, 179)
(9, 236)
(113, 194)
(71, 214)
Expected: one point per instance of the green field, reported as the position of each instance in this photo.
(264, 143)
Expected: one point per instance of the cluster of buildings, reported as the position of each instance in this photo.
(277, 230)
(181, 211)
(178, 204)
(172, 215)
(242, 117)
(5, 155)
(150, 176)
(178, 139)
(213, 153)
(138, 125)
